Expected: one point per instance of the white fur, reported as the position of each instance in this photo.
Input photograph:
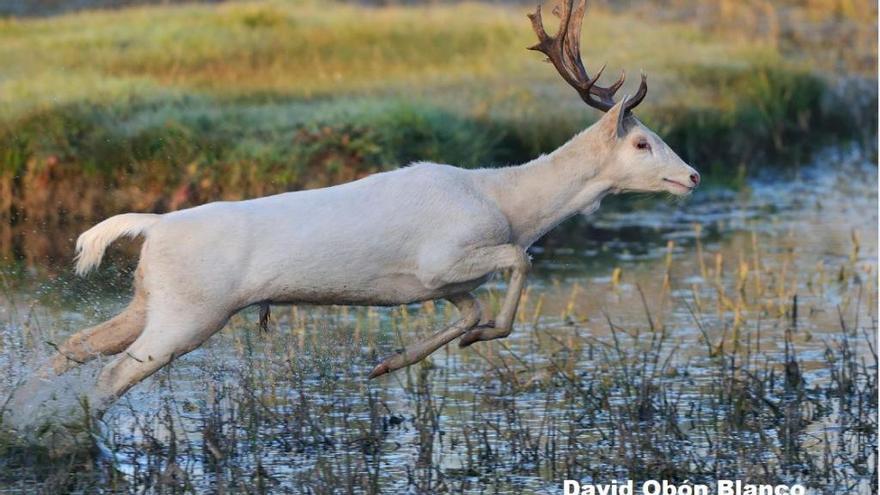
(91, 244)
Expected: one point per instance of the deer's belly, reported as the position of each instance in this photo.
(382, 291)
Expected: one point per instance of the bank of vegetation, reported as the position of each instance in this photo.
(157, 108)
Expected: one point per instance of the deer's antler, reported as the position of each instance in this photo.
(564, 52)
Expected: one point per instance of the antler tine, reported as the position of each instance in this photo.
(599, 73)
(640, 94)
(548, 45)
(563, 51)
(538, 28)
(570, 32)
(614, 87)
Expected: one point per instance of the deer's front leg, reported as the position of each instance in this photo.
(507, 257)
(465, 267)
(467, 306)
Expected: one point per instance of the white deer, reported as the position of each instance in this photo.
(419, 233)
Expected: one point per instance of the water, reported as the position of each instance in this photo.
(657, 337)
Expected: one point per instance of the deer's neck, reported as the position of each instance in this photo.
(541, 194)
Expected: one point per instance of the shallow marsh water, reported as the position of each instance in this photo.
(729, 335)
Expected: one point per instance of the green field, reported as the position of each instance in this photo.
(152, 108)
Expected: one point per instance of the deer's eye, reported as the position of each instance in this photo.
(643, 144)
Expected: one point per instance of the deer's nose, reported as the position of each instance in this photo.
(695, 179)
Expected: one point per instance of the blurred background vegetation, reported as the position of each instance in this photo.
(109, 105)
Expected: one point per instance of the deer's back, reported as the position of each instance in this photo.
(360, 242)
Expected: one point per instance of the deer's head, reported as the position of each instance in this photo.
(634, 158)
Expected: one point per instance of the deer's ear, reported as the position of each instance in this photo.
(612, 122)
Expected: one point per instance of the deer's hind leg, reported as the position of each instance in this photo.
(107, 338)
(174, 328)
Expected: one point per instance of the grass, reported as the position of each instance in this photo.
(156, 108)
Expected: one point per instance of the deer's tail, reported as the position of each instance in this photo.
(91, 244)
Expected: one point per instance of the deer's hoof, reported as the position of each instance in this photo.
(475, 335)
(391, 363)
(469, 338)
(381, 369)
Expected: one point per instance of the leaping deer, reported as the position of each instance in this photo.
(424, 232)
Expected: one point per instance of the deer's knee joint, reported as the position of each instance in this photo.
(500, 328)
(521, 259)
(515, 258)
(468, 308)
(471, 313)
(523, 262)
